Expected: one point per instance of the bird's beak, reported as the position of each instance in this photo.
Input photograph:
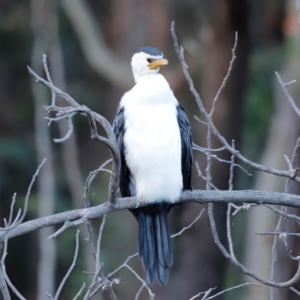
(156, 64)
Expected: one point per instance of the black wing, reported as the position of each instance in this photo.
(126, 180)
(186, 148)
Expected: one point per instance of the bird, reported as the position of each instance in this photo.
(155, 142)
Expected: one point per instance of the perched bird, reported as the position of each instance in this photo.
(155, 141)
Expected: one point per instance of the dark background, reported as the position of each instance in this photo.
(89, 45)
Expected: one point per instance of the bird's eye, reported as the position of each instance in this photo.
(149, 60)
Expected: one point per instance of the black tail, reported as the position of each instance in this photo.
(154, 245)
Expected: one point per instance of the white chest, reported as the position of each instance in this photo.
(153, 145)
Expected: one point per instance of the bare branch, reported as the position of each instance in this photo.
(226, 77)
(93, 118)
(275, 257)
(200, 120)
(189, 226)
(80, 291)
(122, 266)
(151, 295)
(232, 288)
(104, 282)
(295, 291)
(70, 269)
(3, 267)
(201, 293)
(12, 210)
(49, 78)
(3, 287)
(99, 241)
(284, 87)
(93, 284)
(200, 196)
(69, 133)
(135, 255)
(280, 212)
(204, 150)
(139, 292)
(180, 53)
(239, 208)
(280, 234)
(288, 283)
(90, 179)
(18, 220)
(229, 237)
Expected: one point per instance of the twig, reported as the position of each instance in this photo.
(238, 208)
(189, 226)
(201, 293)
(70, 269)
(70, 130)
(229, 237)
(12, 210)
(3, 287)
(98, 268)
(90, 179)
(275, 257)
(99, 241)
(284, 87)
(280, 212)
(283, 217)
(93, 117)
(204, 150)
(222, 161)
(199, 120)
(139, 292)
(96, 275)
(122, 266)
(3, 267)
(49, 78)
(151, 295)
(232, 288)
(226, 77)
(19, 219)
(173, 236)
(232, 165)
(280, 234)
(295, 291)
(80, 291)
(288, 283)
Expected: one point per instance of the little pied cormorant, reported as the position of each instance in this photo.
(155, 141)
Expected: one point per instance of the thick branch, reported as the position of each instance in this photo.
(201, 196)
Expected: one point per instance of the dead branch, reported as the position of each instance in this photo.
(284, 173)
(3, 287)
(70, 269)
(288, 96)
(3, 271)
(19, 218)
(79, 216)
(94, 118)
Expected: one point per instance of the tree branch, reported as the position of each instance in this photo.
(284, 173)
(68, 112)
(200, 196)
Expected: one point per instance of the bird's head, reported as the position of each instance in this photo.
(145, 61)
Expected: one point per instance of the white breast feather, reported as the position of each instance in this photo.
(152, 139)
